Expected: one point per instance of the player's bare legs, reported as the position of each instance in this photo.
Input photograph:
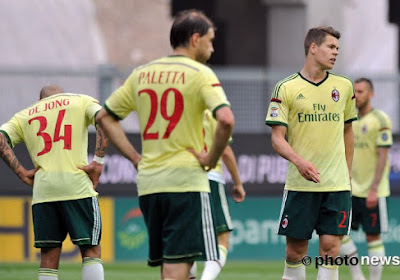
(92, 266)
(223, 246)
(50, 259)
(223, 239)
(90, 251)
(296, 249)
(329, 245)
(175, 271)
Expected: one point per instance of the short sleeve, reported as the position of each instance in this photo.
(122, 102)
(212, 92)
(278, 110)
(384, 136)
(92, 106)
(12, 130)
(350, 113)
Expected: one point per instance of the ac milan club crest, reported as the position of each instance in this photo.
(364, 129)
(285, 222)
(335, 95)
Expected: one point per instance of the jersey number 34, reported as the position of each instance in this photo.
(48, 142)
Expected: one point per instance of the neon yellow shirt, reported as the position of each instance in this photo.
(55, 131)
(371, 132)
(170, 95)
(314, 115)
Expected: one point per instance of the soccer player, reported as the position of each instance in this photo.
(370, 179)
(170, 95)
(55, 131)
(315, 109)
(220, 205)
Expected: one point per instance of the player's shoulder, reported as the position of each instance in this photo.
(80, 96)
(380, 116)
(341, 79)
(65, 95)
(79, 100)
(178, 60)
(289, 80)
(288, 83)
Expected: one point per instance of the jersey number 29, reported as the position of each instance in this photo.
(173, 118)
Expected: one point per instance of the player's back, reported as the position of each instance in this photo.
(55, 131)
(170, 95)
(170, 109)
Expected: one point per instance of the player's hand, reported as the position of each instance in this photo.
(203, 159)
(308, 171)
(136, 161)
(238, 193)
(93, 170)
(372, 199)
(27, 176)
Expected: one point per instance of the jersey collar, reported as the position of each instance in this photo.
(315, 84)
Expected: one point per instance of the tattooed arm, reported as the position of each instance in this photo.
(95, 168)
(7, 154)
(101, 143)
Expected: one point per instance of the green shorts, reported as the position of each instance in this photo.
(180, 227)
(374, 221)
(80, 218)
(326, 212)
(223, 220)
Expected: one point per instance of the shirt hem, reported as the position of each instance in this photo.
(271, 123)
(63, 198)
(316, 189)
(365, 196)
(175, 190)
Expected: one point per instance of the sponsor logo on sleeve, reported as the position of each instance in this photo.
(385, 136)
(274, 112)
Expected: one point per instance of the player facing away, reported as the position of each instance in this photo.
(170, 95)
(55, 132)
(218, 199)
(370, 179)
(315, 109)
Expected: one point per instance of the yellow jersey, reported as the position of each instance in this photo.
(55, 132)
(315, 114)
(371, 132)
(169, 95)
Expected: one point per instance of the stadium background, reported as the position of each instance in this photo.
(90, 46)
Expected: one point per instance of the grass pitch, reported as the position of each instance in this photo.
(234, 270)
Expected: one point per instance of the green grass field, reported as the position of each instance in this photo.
(234, 270)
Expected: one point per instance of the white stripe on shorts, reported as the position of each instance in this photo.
(96, 222)
(383, 215)
(284, 198)
(224, 204)
(210, 243)
(350, 220)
